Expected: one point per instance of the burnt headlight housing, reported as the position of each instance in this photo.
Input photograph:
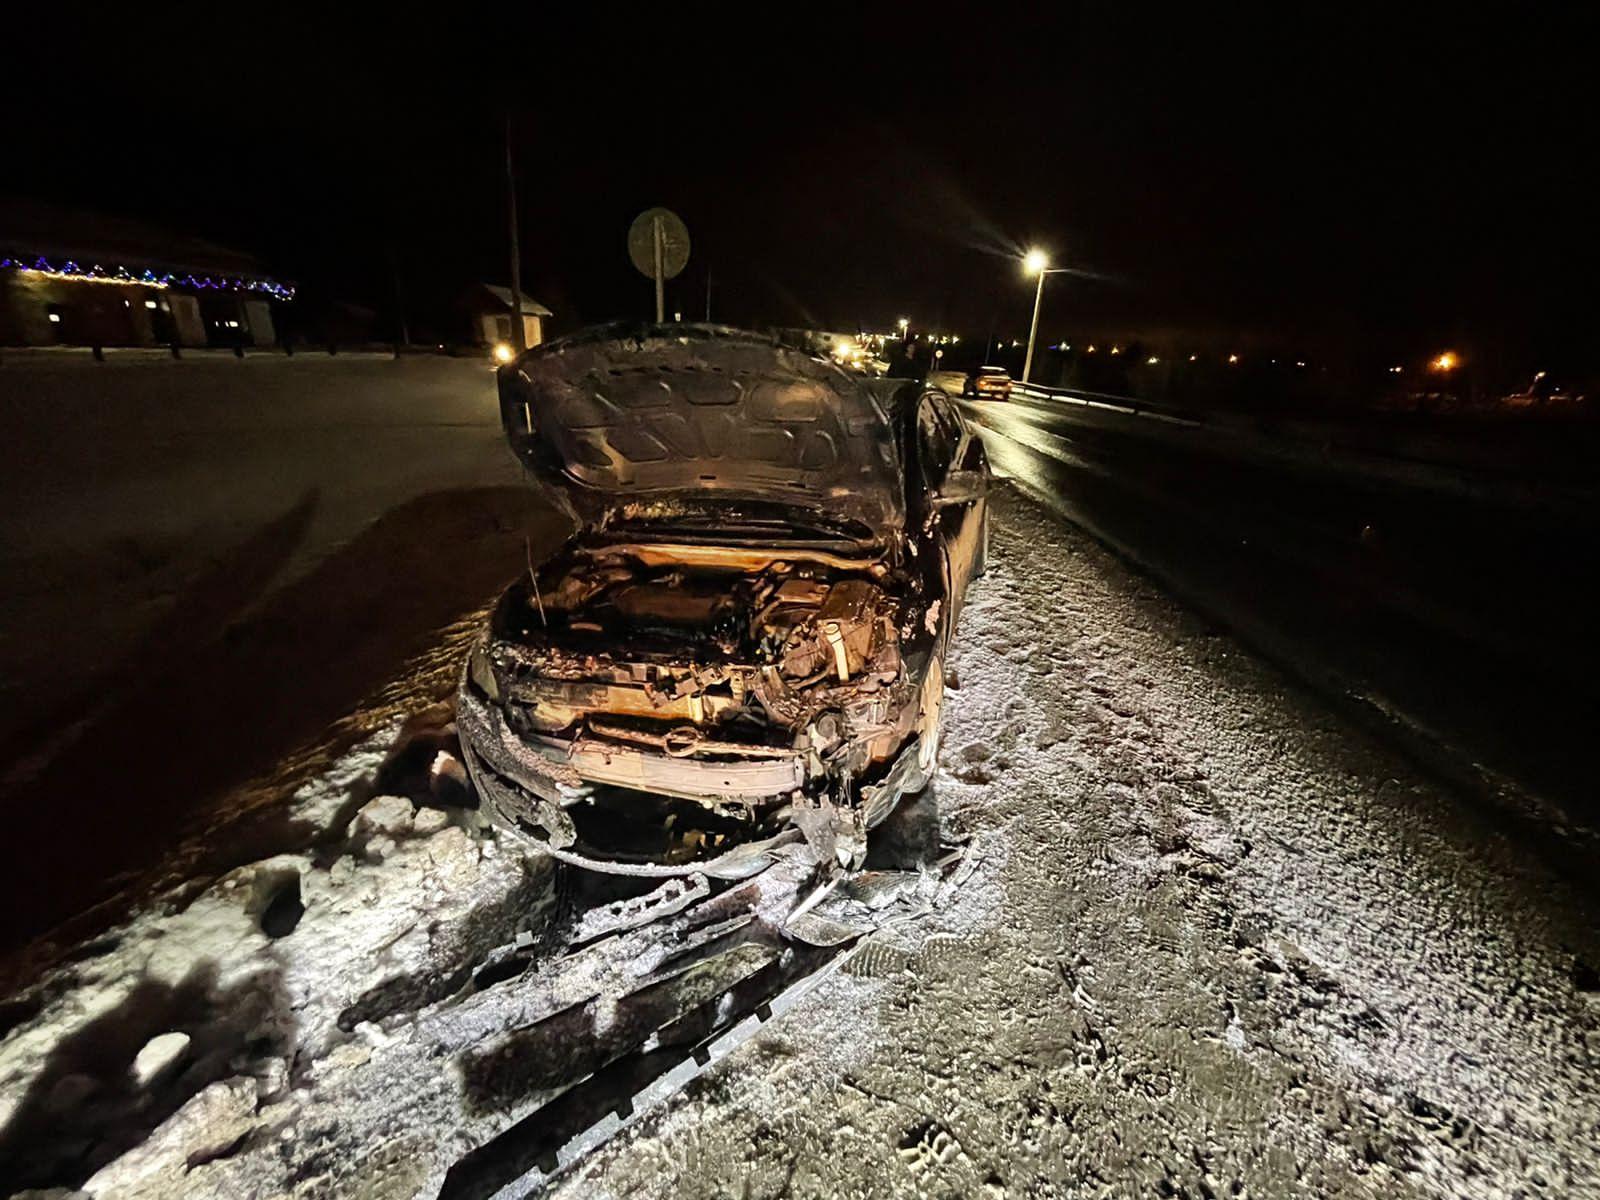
(481, 672)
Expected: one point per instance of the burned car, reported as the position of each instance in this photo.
(743, 643)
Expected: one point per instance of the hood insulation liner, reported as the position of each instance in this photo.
(640, 422)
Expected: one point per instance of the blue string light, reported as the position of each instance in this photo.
(96, 273)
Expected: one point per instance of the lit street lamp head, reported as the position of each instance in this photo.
(1036, 262)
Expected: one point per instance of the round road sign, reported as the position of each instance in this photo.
(674, 242)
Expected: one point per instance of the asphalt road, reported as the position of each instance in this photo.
(1451, 615)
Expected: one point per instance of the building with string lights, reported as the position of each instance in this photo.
(78, 279)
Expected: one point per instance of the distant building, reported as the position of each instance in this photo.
(488, 309)
(75, 278)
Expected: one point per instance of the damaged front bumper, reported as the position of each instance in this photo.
(533, 784)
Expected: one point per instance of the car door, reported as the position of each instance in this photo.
(946, 445)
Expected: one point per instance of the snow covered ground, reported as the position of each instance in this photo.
(1234, 949)
(128, 480)
(1208, 941)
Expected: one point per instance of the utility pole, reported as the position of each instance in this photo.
(518, 334)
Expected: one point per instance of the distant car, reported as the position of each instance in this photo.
(743, 643)
(988, 383)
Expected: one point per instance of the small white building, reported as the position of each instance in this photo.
(492, 316)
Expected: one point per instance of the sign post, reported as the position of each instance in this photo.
(661, 314)
(658, 246)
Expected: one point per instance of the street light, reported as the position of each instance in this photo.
(1036, 262)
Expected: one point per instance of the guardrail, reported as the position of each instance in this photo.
(1397, 460)
(1126, 405)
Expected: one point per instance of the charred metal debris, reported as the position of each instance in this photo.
(758, 697)
(645, 992)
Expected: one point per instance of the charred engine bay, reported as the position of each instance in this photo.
(663, 703)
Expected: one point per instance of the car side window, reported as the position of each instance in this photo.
(938, 435)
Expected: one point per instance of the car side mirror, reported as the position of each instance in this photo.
(961, 487)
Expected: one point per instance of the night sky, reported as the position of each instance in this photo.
(1319, 177)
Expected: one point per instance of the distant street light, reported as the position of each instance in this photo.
(1445, 363)
(1036, 262)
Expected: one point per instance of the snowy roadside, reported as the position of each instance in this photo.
(358, 1018)
(1237, 950)
(146, 1062)
(1204, 940)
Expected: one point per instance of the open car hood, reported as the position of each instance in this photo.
(631, 423)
